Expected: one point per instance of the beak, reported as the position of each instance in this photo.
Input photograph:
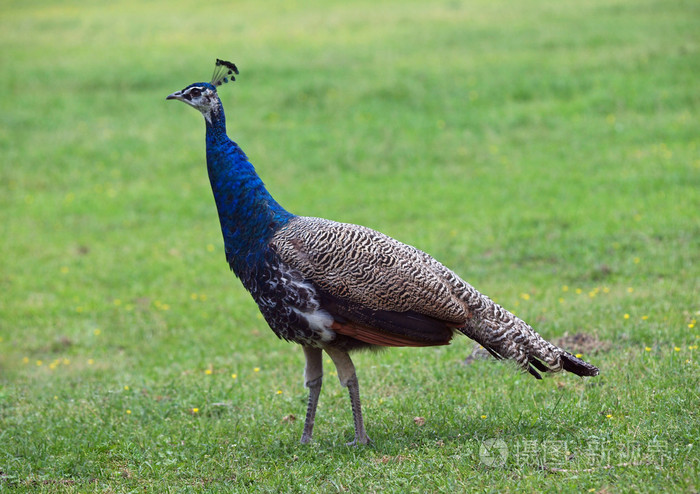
(175, 95)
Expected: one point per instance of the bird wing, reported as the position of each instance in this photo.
(378, 289)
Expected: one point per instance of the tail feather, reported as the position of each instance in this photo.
(506, 336)
(579, 367)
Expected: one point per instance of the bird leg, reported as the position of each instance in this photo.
(313, 378)
(348, 379)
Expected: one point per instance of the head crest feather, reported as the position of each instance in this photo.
(223, 72)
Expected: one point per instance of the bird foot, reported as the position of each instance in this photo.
(359, 440)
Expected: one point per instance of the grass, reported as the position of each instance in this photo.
(547, 152)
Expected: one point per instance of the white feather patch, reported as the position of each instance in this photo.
(320, 321)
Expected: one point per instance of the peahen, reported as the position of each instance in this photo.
(338, 287)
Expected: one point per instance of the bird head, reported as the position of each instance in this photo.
(203, 95)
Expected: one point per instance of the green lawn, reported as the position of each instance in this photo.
(548, 152)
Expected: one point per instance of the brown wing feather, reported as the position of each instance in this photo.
(368, 268)
(373, 336)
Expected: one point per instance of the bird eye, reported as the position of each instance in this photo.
(195, 92)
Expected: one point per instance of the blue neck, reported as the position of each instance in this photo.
(249, 215)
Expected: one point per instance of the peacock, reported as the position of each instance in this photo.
(337, 287)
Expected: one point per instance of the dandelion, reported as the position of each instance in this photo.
(579, 355)
(234, 376)
(579, 291)
(691, 325)
(630, 289)
(97, 332)
(637, 260)
(561, 300)
(606, 289)
(39, 363)
(25, 360)
(195, 410)
(257, 369)
(126, 388)
(644, 318)
(279, 391)
(483, 416)
(208, 372)
(66, 361)
(90, 361)
(609, 416)
(128, 412)
(647, 348)
(677, 349)
(525, 296)
(626, 316)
